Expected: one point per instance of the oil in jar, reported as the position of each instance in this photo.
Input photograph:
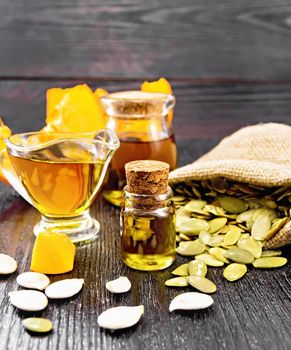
(147, 217)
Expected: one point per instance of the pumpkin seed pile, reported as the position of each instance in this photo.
(222, 222)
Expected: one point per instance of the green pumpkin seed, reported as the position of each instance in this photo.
(203, 284)
(232, 205)
(271, 253)
(271, 213)
(276, 226)
(197, 268)
(184, 237)
(269, 263)
(216, 241)
(194, 205)
(37, 324)
(204, 237)
(239, 255)
(181, 270)
(177, 282)
(209, 260)
(218, 253)
(261, 227)
(176, 199)
(190, 248)
(251, 245)
(234, 271)
(216, 224)
(193, 226)
(232, 236)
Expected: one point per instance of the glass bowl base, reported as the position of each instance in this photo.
(81, 229)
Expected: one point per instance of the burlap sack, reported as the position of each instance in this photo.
(259, 155)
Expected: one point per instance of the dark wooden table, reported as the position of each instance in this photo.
(229, 63)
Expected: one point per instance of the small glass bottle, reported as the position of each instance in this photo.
(148, 237)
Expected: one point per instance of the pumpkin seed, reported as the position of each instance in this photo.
(239, 255)
(269, 262)
(190, 301)
(7, 264)
(193, 226)
(197, 268)
(232, 236)
(120, 317)
(276, 226)
(245, 215)
(234, 271)
(261, 227)
(190, 248)
(232, 205)
(251, 245)
(209, 260)
(181, 270)
(64, 288)
(195, 205)
(216, 224)
(271, 213)
(203, 284)
(204, 237)
(33, 280)
(184, 237)
(37, 324)
(28, 300)
(218, 253)
(271, 253)
(177, 282)
(216, 241)
(119, 285)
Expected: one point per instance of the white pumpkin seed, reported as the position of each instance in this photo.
(197, 268)
(218, 253)
(209, 260)
(37, 324)
(33, 280)
(64, 288)
(216, 224)
(177, 282)
(269, 263)
(251, 245)
(7, 264)
(120, 317)
(239, 255)
(191, 301)
(261, 227)
(181, 270)
(190, 248)
(234, 272)
(28, 300)
(271, 253)
(119, 285)
(203, 284)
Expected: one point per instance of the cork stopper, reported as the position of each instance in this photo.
(149, 177)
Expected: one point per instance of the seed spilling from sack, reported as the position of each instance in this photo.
(232, 220)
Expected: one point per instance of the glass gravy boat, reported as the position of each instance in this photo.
(60, 175)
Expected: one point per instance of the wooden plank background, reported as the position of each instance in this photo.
(229, 62)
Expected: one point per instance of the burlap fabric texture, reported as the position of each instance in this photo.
(258, 155)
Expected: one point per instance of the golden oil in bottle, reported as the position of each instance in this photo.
(147, 217)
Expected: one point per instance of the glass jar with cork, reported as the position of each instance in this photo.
(148, 238)
(142, 124)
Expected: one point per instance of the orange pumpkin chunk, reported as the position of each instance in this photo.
(53, 253)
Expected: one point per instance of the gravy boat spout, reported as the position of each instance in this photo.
(60, 175)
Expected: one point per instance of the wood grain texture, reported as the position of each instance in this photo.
(204, 111)
(237, 39)
(252, 313)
